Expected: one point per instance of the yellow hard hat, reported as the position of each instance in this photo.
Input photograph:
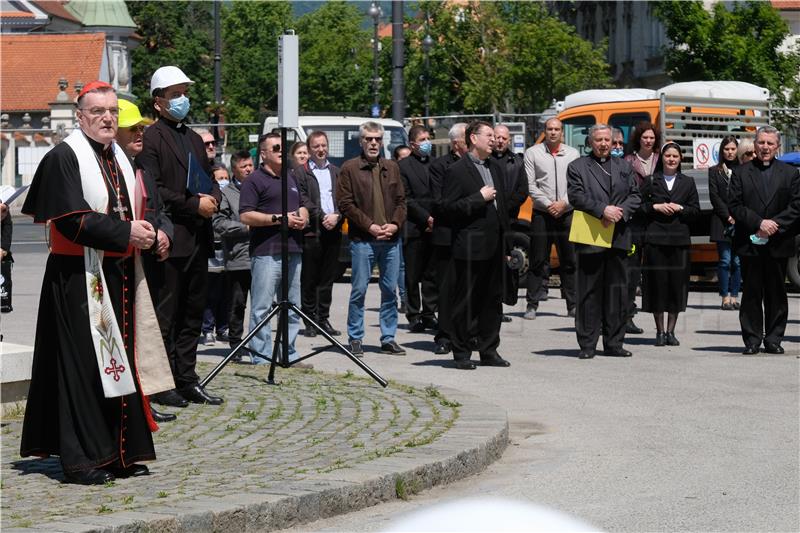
(129, 115)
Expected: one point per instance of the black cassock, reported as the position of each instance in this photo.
(67, 413)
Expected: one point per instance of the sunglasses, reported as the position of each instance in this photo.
(750, 153)
(276, 148)
(373, 139)
(136, 129)
(210, 143)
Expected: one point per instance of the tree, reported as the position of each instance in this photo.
(165, 41)
(742, 43)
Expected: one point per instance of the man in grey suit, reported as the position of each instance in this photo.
(602, 187)
(764, 199)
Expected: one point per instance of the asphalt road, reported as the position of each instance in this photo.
(690, 438)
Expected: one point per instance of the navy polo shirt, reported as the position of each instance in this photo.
(261, 192)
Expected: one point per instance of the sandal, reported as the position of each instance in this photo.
(727, 305)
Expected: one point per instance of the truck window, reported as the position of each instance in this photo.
(627, 121)
(343, 141)
(575, 131)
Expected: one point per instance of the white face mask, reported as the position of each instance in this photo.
(223, 183)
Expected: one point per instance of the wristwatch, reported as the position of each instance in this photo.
(276, 219)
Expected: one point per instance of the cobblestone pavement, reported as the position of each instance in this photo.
(304, 435)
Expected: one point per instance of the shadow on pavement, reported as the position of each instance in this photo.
(558, 352)
(49, 467)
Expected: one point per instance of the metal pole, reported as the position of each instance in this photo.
(217, 70)
(398, 62)
(375, 82)
(427, 82)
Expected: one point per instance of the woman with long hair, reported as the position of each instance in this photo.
(722, 223)
(643, 150)
(669, 202)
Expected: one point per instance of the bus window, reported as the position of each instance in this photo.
(575, 131)
(627, 121)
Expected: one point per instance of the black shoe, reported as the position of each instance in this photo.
(617, 352)
(330, 330)
(403, 309)
(506, 318)
(586, 353)
(222, 336)
(495, 361)
(750, 350)
(393, 348)
(162, 417)
(773, 348)
(416, 326)
(430, 323)
(93, 476)
(309, 331)
(465, 364)
(129, 471)
(196, 394)
(671, 340)
(661, 338)
(169, 398)
(442, 347)
(356, 348)
(571, 312)
(633, 329)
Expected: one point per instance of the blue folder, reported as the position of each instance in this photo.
(197, 181)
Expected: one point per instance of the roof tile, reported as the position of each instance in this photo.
(32, 64)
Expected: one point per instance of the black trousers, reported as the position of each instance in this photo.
(477, 306)
(421, 291)
(238, 287)
(602, 297)
(181, 301)
(546, 231)
(763, 282)
(443, 263)
(321, 269)
(215, 315)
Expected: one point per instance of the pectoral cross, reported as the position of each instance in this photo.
(121, 210)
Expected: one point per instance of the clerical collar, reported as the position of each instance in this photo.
(422, 158)
(762, 164)
(179, 126)
(475, 159)
(99, 147)
(599, 159)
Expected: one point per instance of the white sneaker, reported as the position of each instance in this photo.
(530, 314)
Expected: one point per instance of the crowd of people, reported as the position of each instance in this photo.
(136, 247)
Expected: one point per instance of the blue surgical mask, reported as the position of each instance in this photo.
(179, 107)
(425, 147)
(223, 183)
(617, 152)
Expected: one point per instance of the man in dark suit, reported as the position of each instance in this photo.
(417, 246)
(603, 187)
(764, 199)
(323, 236)
(440, 236)
(182, 278)
(476, 206)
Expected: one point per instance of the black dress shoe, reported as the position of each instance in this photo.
(129, 471)
(465, 364)
(571, 313)
(586, 353)
(661, 338)
(430, 323)
(309, 331)
(506, 318)
(162, 417)
(633, 329)
(495, 361)
(750, 350)
(617, 352)
(330, 330)
(196, 394)
(771, 347)
(671, 340)
(169, 398)
(442, 347)
(93, 476)
(417, 326)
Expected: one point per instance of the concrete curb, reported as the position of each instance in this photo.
(477, 438)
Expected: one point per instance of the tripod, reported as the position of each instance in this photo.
(280, 349)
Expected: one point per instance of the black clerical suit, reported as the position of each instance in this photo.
(417, 245)
(601, 282)
(759, 192)
(478, 229)
(182, 278)
(441, 239)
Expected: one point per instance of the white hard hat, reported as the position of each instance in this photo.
(167, 76)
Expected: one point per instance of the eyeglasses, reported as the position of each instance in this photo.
(210, 143)
(136, 129)
(373, 139)
(101, 111)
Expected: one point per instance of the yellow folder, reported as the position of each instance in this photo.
(587, 229)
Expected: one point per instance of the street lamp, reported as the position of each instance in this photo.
(427, 44)
(375, 12)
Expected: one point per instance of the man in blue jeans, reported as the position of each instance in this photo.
(260, 209)
(370, 194)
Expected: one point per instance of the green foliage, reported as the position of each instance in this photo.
(738, 44)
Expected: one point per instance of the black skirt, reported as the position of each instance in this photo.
(665, 278)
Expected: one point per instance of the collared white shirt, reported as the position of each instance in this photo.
(323, 175)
